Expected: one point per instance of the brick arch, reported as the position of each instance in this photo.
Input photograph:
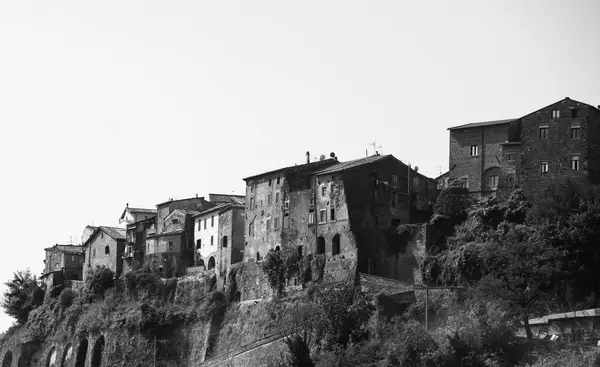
(7, 360)
(51, 358)
(97, 352)
(81, 355)
(67, 356)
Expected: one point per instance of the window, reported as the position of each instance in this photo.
(312, 201)
(543, 132)
(278, 180)
(269, 199)
(474, 150)
(320, 245)
(198, 243)
(323, 190)
(212, 240)
(335, 245)
(224, 241)
(175, 221)
(493, 181)
(268, 224)
(286, 220)
(212, 220)
(276, 197)
(510, 156)
(276, 223)
(575, 132)
(311, 217)
(394, 181)
(170, 245)
(510, 180)
(464, 183)
(394, 197)
(94, 253)
(204, 223)
(544, 167)
(251, 229)
(575, 163)
(574, 113)
(251, 203)
(323, 216)
(332, 214)
(270, 181)
(286, 204)
(555, 114)
(199, 225)
(106, 250)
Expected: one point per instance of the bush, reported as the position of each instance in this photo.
(97, 281)
(65, 299)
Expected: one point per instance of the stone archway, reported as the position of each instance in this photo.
(81, 353)
(51, 358)
(211, 263)
(7, 360)
(67, 356)
(335, 245)
(97, 352)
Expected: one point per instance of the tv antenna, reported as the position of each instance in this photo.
(375, 147)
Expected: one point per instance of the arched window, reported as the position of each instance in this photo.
(211, 263)
(335, 245)
(224, 241)
(106, 250)
(320, 245)
(491, 178)
(277, 248)
(201, 263)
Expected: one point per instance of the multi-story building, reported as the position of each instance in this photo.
(346, 212)
(135, 245)
(559, 141)
(132, 215)
(63, 262)
(105, 247)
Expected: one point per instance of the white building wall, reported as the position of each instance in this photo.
(200, 233)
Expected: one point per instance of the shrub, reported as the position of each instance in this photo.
(97, 281)
(65, 299)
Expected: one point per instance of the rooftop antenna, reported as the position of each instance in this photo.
(375, 147)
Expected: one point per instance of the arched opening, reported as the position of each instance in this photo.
(491, 178)
(97, 352)
(211, 263)
(320, 245)
(258, 258)
(277, 248)
(51, 359)
(81, 353)
(106, 250)
(335, 245)
(237, 297)
(201, 263)
(7, 360)
(67, 356)
(224, 241)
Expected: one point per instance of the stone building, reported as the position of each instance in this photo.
(132, 215)
(105, 247)
(559, 141)
(62, 263)
(206, 237)
(345, 213)
(136, 242)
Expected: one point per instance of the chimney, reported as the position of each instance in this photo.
(127, 205)
(196, 196)
(307, 157)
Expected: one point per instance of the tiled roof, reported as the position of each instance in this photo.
(352, 164)
(299, 166)
(142, 210)
(68, 249)
(175, 231)
(482, 123)
(213, 209)
(116, 233)
(225, 198)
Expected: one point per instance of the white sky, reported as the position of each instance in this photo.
(111, 102)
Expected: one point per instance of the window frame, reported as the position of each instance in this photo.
(544, 167)
(322, 214)
(575, 163)
(544, 132)
(474, 150)
(555, 114)
(576, 130)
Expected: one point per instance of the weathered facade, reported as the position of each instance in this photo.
(231, 238)
(105, 247)
(136, 243)
(559, 141)
(63, 263)
(345, 214)
(206, 237)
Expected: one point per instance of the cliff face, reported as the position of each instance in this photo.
(177, 322)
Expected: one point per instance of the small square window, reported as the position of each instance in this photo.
(555, 114)
(575, 132)
(575, 163)
(474, 150)
(574, 113)
(544, 167)
(543, 132)
(510, 156)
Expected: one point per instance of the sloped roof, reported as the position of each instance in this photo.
(213, 209)
(67, 249)
(226, 198)
(343, 166)
(175, 231)
(298, 166)
(482, 123)
(137, 210)
(116, 233)
(187, 211)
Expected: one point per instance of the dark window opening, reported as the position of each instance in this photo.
(270, 181)
(300, 251)
(211, 263)
(278, 180)
(277, 248)
(332, 214)
(258, 258)
(575, 133)
(224, 241)
(335, 245)
(395, 222)
(373, 175)
(106, 250)
(574, 113)
(320, 245)
(543, 132)
(198, 244)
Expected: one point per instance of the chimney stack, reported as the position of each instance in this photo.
(307, 157)
(127, 205)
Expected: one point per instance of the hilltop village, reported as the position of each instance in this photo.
(194, 288)
(346, 212)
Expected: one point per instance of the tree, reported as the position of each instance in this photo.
(453, 203)
(23, 294)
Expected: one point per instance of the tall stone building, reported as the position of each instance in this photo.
(557, 142)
